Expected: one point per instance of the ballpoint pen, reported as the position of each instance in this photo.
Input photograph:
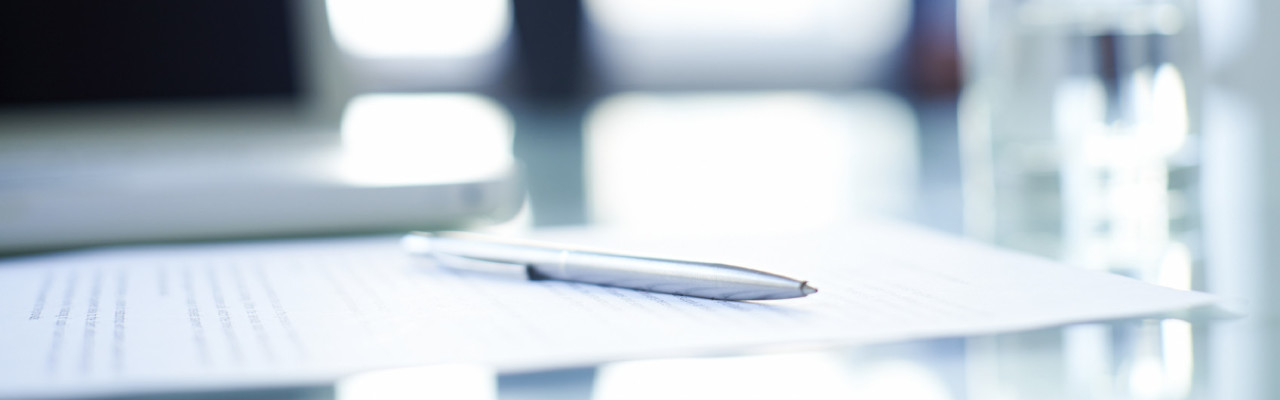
(540, 261)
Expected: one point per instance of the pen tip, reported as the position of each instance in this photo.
(807, 290)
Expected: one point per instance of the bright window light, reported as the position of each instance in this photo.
(419, 28)
(770, 160)
(743, 43)
(1168, 109)
(1133, 153)
(1176, 268)
(390, 139)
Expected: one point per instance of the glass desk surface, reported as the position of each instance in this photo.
(653, 160)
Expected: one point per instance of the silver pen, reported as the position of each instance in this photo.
(539, 261)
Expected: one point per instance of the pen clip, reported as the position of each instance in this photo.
(505, 269)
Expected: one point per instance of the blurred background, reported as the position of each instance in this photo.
(1124, 136)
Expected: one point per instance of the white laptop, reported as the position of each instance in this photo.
(77, 176)
(221, 120)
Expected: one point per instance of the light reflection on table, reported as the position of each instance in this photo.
(693, 161)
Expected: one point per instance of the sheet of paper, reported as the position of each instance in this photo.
(188, 317)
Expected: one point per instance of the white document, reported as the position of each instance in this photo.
(189, 317)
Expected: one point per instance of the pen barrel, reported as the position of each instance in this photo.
(708, 280)
(545, 261)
